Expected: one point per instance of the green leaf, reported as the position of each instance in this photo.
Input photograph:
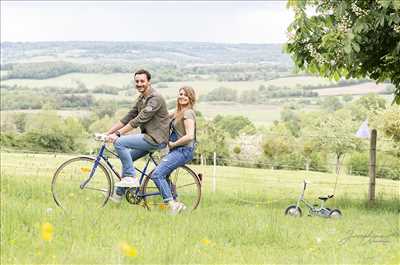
(336, 76)
(385, 3)
(347, 48)
(355, 46)
(382, 20)
(396, 5)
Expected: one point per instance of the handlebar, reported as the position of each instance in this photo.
(101, 137)
(305, 184)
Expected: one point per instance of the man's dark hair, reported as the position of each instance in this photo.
(142, 71)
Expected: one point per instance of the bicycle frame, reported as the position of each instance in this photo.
(101, 156)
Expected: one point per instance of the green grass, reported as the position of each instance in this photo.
(242, 222)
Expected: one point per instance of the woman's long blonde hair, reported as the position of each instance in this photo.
(191, 94)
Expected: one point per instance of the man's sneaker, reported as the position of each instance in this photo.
(177, 207)
(115, 198)
(128, 182)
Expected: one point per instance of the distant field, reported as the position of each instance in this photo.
(259, 114)
(358, 89)
(203, 87)
(69, 80)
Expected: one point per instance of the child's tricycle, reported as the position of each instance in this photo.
(314, 210)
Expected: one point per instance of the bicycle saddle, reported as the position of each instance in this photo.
(324, 198)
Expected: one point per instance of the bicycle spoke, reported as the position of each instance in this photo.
(185, 188)
(181, 186)
(96, 189)
(71, 174)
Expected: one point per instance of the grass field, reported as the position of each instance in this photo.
(241, 223)
(258, 114)
(359, 89)
(69, 80)
(119, 80)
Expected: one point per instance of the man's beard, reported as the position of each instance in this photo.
(140, 87)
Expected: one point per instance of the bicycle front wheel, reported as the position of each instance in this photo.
(185, 188)
(68, 178)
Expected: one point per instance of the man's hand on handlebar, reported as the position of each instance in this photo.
(107, 138)
(111, 138)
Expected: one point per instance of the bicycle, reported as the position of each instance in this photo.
(75, 177)
(313, 210)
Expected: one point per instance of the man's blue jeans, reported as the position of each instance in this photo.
(175, 158)
(130, 148)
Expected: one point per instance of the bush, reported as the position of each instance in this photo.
(9, 140)
(318, 162)
(357, 164)
(388, 166)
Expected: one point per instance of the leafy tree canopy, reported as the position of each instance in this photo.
(349, 38)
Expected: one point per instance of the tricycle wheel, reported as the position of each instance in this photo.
(335, 213)
(294, 211)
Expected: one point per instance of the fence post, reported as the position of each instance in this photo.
(372, 167)
(214, 181)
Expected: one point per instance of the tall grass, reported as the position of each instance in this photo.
(242, 222)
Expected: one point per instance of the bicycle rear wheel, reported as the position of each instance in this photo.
(68, 178)
(185, 188)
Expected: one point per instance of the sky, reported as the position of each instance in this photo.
(199, 21)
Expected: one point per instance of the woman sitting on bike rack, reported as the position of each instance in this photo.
(182, 143)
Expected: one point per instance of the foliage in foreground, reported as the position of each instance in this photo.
(351, 39)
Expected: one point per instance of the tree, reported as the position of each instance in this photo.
(291, 119)
(372, 102)
(351, 39)
(332, 104)
(233, 124)
(104, 108)
(222, 94)
(278, 143)
(211, 139)
(337, 135)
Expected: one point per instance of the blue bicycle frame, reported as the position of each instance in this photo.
(101, 156)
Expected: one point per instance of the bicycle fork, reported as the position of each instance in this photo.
(96, 163)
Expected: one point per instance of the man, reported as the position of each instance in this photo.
(150, 114)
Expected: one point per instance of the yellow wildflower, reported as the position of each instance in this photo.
(205, 242)
(47, 231)
(163, 206)
(85, 169)
(127, 250)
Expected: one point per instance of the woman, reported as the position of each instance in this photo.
(181, 145)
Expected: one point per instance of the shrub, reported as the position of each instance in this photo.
(357, 164)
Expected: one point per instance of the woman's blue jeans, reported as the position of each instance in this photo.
(175, 158)
(130, 148)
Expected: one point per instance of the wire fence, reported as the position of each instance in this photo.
(34, 164)
(39, 166)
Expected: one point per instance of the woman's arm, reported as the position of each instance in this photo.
(189, 136)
